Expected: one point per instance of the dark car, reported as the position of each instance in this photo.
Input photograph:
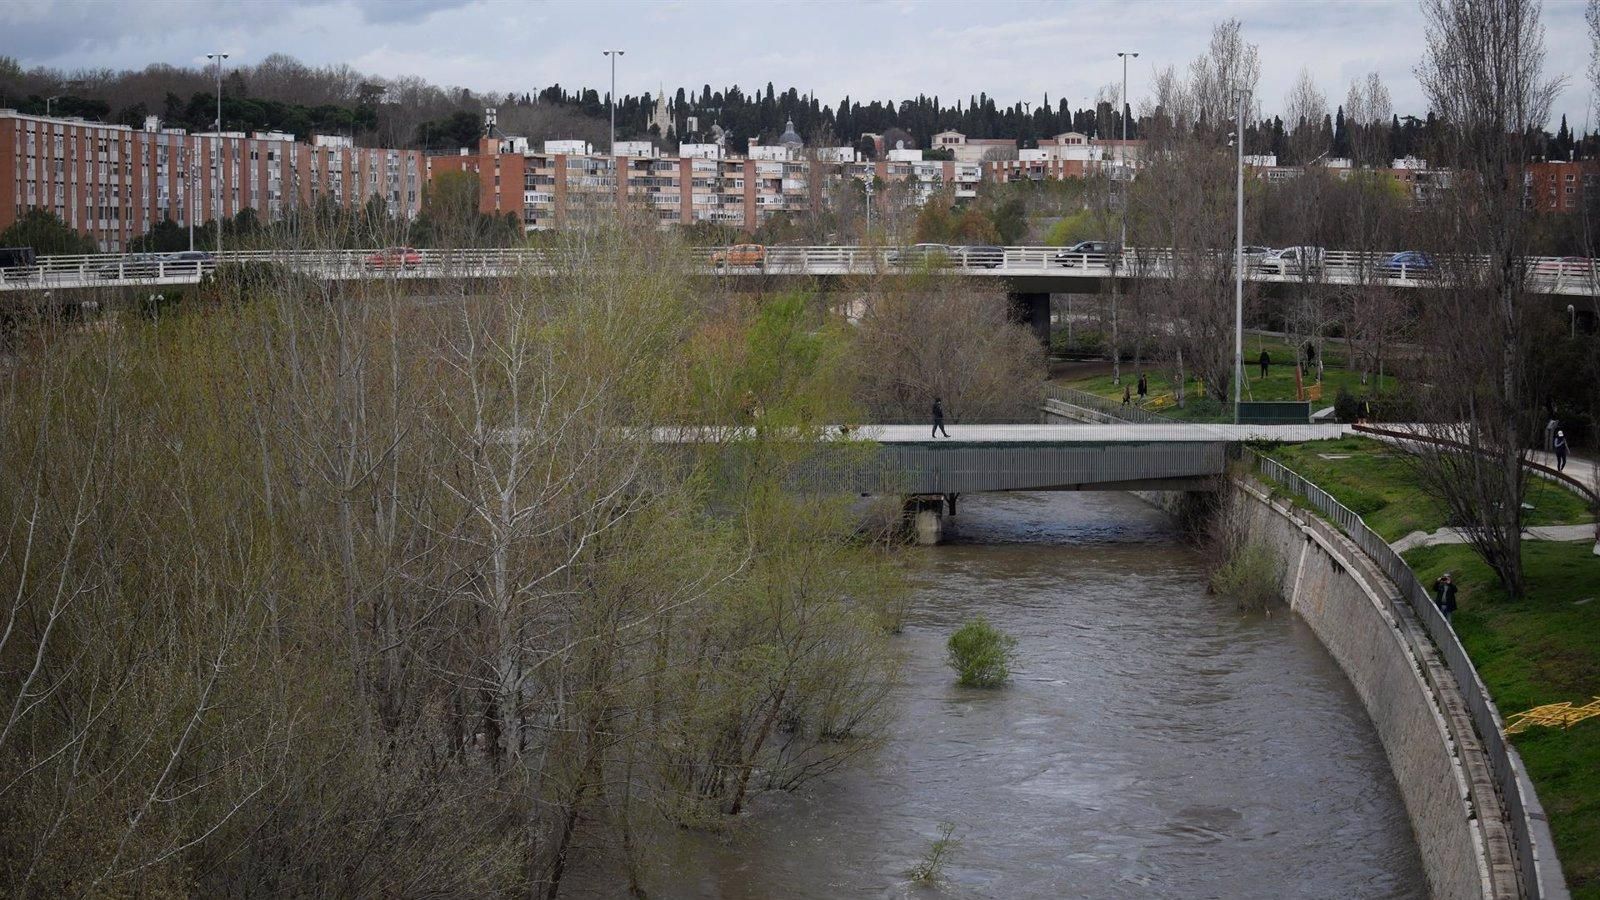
(1408, 264)
(983, 257)
(1087, 253)
(137, 265)
(17, 262)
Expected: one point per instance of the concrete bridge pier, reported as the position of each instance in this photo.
(926, 516)
(1032, 309)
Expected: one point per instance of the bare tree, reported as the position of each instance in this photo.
(1483, 76)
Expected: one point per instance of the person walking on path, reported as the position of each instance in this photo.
(1127, 396)
(1560, 447)
(1265, 361)
(938, 419)
(1144, 388)
(1444, 595)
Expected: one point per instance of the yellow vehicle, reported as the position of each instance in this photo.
(740, 255)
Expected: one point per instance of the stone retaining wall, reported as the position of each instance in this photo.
(1349, 605)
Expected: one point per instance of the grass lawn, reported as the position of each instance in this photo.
(1278, 385)
(1376, 483)
(1543, 649)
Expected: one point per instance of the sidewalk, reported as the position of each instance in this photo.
(1583, 532)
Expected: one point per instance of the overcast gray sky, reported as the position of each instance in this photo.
(869, 50)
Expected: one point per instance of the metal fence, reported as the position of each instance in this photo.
(1105, 406)
(1532, 845)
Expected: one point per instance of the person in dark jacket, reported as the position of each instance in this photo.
(1560, 446)
(938, 419)
(1444, 595)
(1144, 388)
(1266, 362)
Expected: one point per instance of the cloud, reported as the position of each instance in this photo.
(1008, 49)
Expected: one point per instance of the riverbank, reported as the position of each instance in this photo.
(1544, 649)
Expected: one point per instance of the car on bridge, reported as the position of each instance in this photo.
(1408, 264)
(394, 258)
(936, 256)
(1571, 267)
(1295, 262)
(740, 255)
(1087, 253)
(137, 265)
(983, 257)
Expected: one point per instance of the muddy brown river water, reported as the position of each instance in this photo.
(1155, 741)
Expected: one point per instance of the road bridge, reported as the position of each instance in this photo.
(1022, 271)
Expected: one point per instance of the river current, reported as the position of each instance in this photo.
(1155, 740)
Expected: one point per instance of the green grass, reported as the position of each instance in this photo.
(1542, 649)
(1278, 385)
(1376, 482)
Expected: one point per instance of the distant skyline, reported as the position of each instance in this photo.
(876, 50)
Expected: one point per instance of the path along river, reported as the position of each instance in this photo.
(1155, 741)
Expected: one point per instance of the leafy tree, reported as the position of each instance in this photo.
(47, 234)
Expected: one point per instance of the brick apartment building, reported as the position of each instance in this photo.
(1560, 186)
(114, 183)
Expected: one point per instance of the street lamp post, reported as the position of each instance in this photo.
(1122, 240)
(613, 54)
(868, 185)
(188, 193)
(1238, 261)
(219, 56)
(47, 102)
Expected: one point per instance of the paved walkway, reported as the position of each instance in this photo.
(1097, 434)
(1585, 532)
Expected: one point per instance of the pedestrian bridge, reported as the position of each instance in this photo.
(976, 458)
(1019, 270)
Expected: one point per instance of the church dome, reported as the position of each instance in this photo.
(790, 137)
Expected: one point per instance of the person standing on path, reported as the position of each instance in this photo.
(1144, 388)
(1561, 451)
(1444, 595)
(938, 419)
(1126, 395)
(1265, 361)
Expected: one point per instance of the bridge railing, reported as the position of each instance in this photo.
(1558, 275)
(1532, 845)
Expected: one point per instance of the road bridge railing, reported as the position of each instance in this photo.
(1532, 844)
(1066, 271)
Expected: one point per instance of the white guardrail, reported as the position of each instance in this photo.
(1551, 275)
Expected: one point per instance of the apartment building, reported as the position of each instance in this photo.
(565, 181)
(114, 183)
(1560, 186)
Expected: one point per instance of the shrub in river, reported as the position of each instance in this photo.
(981, 654)
(930, 869)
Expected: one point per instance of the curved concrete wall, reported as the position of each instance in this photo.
(1347, 603)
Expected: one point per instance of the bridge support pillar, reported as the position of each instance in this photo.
(1033, 310)
(925, 517)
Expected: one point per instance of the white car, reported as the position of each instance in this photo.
(1298, 262)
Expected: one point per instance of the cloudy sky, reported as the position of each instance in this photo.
(882, 50)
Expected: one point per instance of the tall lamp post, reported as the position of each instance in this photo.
(613, 54)
(1122, 239)
(47, 102)
(1238, 260)
(219, 56)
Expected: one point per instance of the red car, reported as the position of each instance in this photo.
(394, 258)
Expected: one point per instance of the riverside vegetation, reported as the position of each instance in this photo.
(335, 589)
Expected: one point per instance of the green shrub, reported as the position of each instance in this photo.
(1362, 503)
(930, 869)
(981, 654)
(1250, 575)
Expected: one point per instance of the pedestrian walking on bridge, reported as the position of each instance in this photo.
(938, 419)
(1560, 446)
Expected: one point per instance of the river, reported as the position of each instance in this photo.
(1155, 741)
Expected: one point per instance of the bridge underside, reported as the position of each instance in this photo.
(934, 468)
